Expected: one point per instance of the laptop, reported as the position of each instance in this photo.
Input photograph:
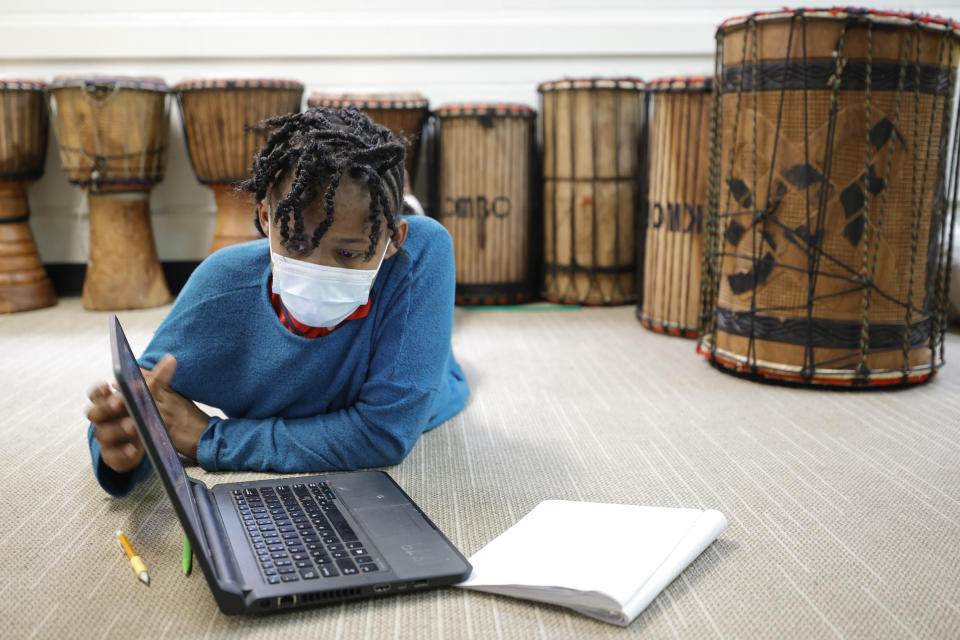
(294, 541)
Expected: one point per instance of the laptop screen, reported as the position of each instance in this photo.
(152, 430)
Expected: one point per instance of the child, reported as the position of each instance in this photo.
(327, 345)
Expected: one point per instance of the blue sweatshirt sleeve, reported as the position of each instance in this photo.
(410, 359)
(114, 483)
(120, 484)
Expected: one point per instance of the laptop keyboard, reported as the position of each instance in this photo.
(298, 533)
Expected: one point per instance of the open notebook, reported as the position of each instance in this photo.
(636, 552)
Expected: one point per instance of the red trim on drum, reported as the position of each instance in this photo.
(566, 84)
(415, 101)
(22, 85)
(793, 377)
(590, 304)
(194, 84)
(681, 84)
(670, 331)
(490, 301)
(467, 110)
(927, 20)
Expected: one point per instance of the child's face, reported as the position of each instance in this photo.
(346, 241)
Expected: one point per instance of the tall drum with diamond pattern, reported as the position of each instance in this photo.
(832, 177)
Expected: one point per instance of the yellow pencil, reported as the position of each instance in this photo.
(138, 567)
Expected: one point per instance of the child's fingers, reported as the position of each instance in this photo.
(161, 375)
(98, 392)
(113, 434)
(123, 458)
(105, 409)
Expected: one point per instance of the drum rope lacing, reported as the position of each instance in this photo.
(100, 171)
(915, 203)
(864, 280)
(947, 223)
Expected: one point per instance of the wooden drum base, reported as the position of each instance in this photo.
(123, 271)
(235, 212)
(24, 284)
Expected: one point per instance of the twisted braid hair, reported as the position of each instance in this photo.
(314, 150)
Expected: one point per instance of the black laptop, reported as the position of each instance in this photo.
(293, 541)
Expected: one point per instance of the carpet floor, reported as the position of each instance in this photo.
(843, 507)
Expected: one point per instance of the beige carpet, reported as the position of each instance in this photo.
(843, 508)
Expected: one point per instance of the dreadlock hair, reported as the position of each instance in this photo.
(319, 147)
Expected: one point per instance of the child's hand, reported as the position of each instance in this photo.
(120, 446)
(185, 421)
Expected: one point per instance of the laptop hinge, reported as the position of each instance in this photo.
(223, 562)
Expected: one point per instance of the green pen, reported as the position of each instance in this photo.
(187, 556)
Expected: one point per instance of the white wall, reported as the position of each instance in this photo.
(478, 51)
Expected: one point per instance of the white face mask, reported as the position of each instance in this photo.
(321, 296)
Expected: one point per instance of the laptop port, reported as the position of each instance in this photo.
(286, 601)
(380, 588)
(421, 584)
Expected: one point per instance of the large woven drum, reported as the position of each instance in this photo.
(591, 198)
(220, 119)
(484, 185)
(829, 221)
(679, 154)
(24, 283)
(112, 134)
(403, 113)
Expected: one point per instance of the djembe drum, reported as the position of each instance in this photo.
(112, 135)
(219, 126)
(826, 238)
(679, 153)
(24, 284)
(484, 165)
(403, 113)
(592, 132)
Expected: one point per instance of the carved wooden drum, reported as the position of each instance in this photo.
(591, 197)
(484, 187)
(220, 120)
(828, 227)
(112, 135)
(24, 284)
(403, 113)
(679, 152)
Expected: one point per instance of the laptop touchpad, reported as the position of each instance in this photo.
(391, 521)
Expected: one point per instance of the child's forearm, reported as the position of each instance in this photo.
(359, 437)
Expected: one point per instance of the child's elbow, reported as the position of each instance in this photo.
(395, 453)
(393, 449)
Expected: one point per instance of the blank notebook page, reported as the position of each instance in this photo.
(608, 548)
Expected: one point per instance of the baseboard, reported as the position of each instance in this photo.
(67, 277)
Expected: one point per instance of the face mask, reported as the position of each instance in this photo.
(321, 296)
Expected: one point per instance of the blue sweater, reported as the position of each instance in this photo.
(358, 397)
